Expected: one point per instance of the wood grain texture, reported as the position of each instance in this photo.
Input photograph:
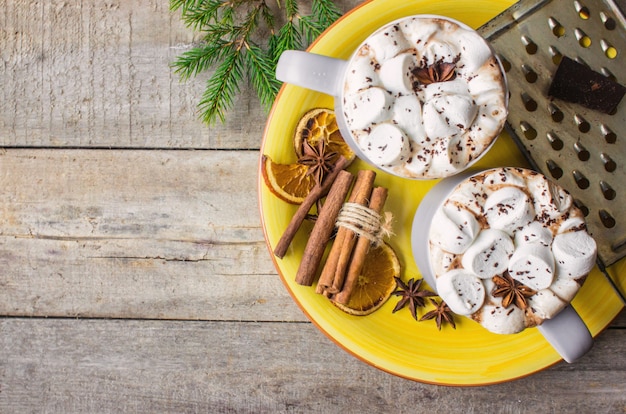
(97, 74)
(135, 234)
(245, 367)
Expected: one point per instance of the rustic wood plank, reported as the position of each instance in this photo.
(63, 365)
(97, 74)
(135, 234)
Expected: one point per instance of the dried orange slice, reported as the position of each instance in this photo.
(376, 282)
(288, 182)
(321, 123)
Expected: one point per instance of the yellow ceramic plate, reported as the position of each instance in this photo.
(396, 343)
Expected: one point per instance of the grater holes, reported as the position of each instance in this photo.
(607, 219)
(529, 103)
(608, 74)
(529, 132)
(555, 142)
(555, 113)
(581, 181)
(581, 152)
(555, 54)
(582, 207)
(607, 191)
(609, 50)
(529, 74)
(557, 28)
(609, 164)
(609, 136)
(608, 21)
(555, 170)
(583, 39)
(530, 46)
(583, 11)
(583, 125)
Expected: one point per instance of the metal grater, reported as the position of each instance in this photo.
(581, 149)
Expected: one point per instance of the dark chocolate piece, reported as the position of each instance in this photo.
(575, 82)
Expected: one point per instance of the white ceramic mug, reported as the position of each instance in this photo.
(328, 75)
(566, 332)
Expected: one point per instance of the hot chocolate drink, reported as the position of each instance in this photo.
(424, 97)
(509, 249)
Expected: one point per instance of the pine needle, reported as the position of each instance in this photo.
(232, 52)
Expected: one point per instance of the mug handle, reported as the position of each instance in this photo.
(568, 334)
(312, 71)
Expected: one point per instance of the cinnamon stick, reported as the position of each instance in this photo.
(315, 194)
(334, 271)
(323, 229)
(379, 196)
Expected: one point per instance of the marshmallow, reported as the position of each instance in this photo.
(502, 321)
(368, 106)
(532, 265)
(386, 145)
(420, 162)
(503, 176)
(508, 209)
(469, 196)
(574, 254)
(565, 288)
(388, 42)
(545, 304)
(448, 110)
(395, 73)
(574, 222)
(407, 114)
(550, 199)
(472, 44)
(489, 254)
(439, 50)
(462, 291)
(363, 74)
(419, 31)
(533, 233)
(441, 260)
(453, 229)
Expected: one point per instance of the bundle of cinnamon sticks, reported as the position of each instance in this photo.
(345, 260)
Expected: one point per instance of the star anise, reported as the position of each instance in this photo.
(511, 291)
(441, 314)
(412, 294)
(319, 161)
(437, 72)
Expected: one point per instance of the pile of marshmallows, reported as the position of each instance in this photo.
(514, 220)
(424, 130)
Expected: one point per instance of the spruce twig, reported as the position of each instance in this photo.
(234, 48)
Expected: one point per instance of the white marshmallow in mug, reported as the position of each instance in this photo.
(368, 106)
(463, 290)
(456, 228)
(532, 265)
(489, 254)
(574, 253)
(395, 73)
(386, 144)
(508, 209)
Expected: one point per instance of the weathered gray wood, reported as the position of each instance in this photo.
(97, 74)
(187, 367)
(135, 234)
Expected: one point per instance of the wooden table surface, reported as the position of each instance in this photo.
(134, 275)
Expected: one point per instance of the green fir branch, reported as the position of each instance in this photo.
(222, 87)
(236, 48)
